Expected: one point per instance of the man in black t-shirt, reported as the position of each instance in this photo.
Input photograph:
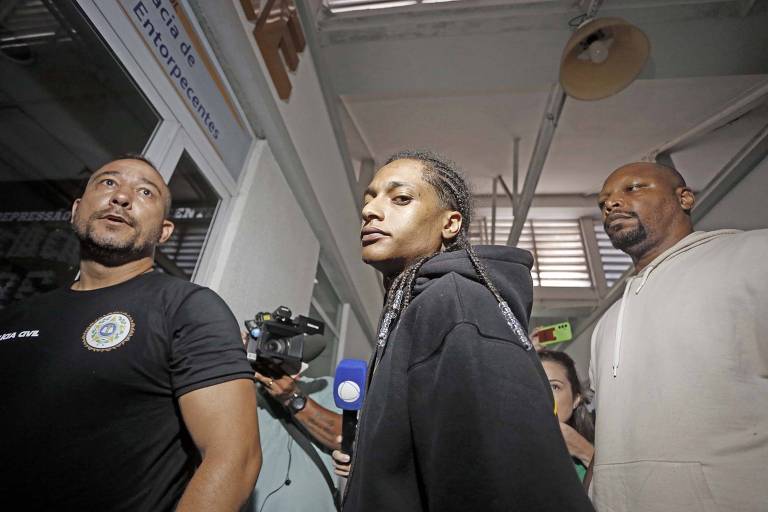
(130, 389)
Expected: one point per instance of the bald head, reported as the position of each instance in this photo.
(670, 174)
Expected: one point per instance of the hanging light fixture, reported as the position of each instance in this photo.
(602, 57)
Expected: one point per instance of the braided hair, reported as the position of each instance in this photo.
(453, 194)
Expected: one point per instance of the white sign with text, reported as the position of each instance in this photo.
(165, 28)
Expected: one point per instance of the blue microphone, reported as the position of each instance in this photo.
(348, 393)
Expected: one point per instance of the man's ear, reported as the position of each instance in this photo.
(167, 231)
(451, 225)
(686, 197)
(74, 210)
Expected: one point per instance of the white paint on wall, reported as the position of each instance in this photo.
(308, 123)
(354, 343)
(272, 256)
(335, 224)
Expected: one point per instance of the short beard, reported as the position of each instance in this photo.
(113, 254)
(629, 241)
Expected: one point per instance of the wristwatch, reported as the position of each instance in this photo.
(297, 402)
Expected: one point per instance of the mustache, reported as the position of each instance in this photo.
(119, 212)
(610, 218)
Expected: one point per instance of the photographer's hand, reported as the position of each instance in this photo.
(323, 424)
(281, 388)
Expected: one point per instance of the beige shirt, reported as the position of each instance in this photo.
(680, 371)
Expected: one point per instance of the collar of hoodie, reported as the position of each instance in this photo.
(689, 242)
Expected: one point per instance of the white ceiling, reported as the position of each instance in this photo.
(518, 44)
(466, 77)
(592, 138)
(467, 81)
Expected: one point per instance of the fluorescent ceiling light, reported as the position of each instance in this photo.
(337, 7)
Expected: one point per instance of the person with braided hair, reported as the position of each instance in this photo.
(458, 414)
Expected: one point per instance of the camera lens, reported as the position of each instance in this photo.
(275, 346)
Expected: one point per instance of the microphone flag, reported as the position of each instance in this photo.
(349, 393)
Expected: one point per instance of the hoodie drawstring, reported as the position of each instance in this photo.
(647, 272)
(619, 321)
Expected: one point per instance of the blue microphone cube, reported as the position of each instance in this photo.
(349, 384)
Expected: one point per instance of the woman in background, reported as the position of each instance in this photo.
(576, 421)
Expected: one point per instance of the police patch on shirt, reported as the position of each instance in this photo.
(108, 332)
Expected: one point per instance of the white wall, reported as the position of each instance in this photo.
(272, 255)
(302, 140)
(311, 132)
(354, 344)
(308, 123)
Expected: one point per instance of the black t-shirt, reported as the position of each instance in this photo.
(90, 381)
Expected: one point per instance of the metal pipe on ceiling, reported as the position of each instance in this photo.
(493, 212)
(510, 195)
(742, 163)
(515, 170)
(522, 201)
(737, 107)
(544, 138)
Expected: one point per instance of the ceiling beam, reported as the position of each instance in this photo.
(742, 163)
(493, 211)
(737, 107)
(592, 252)
(515, 170)
(536, 165)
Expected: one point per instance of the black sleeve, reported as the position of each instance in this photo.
(485, 433)
(206, 348)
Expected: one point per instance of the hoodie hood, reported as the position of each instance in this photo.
(509, 269)
(691, 241)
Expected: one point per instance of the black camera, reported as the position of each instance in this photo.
(276, 342)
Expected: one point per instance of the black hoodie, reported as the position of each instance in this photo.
(459, 413)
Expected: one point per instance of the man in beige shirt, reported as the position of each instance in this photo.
(680, 364)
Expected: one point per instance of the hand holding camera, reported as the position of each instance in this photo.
(275, 343)
(280, 388)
